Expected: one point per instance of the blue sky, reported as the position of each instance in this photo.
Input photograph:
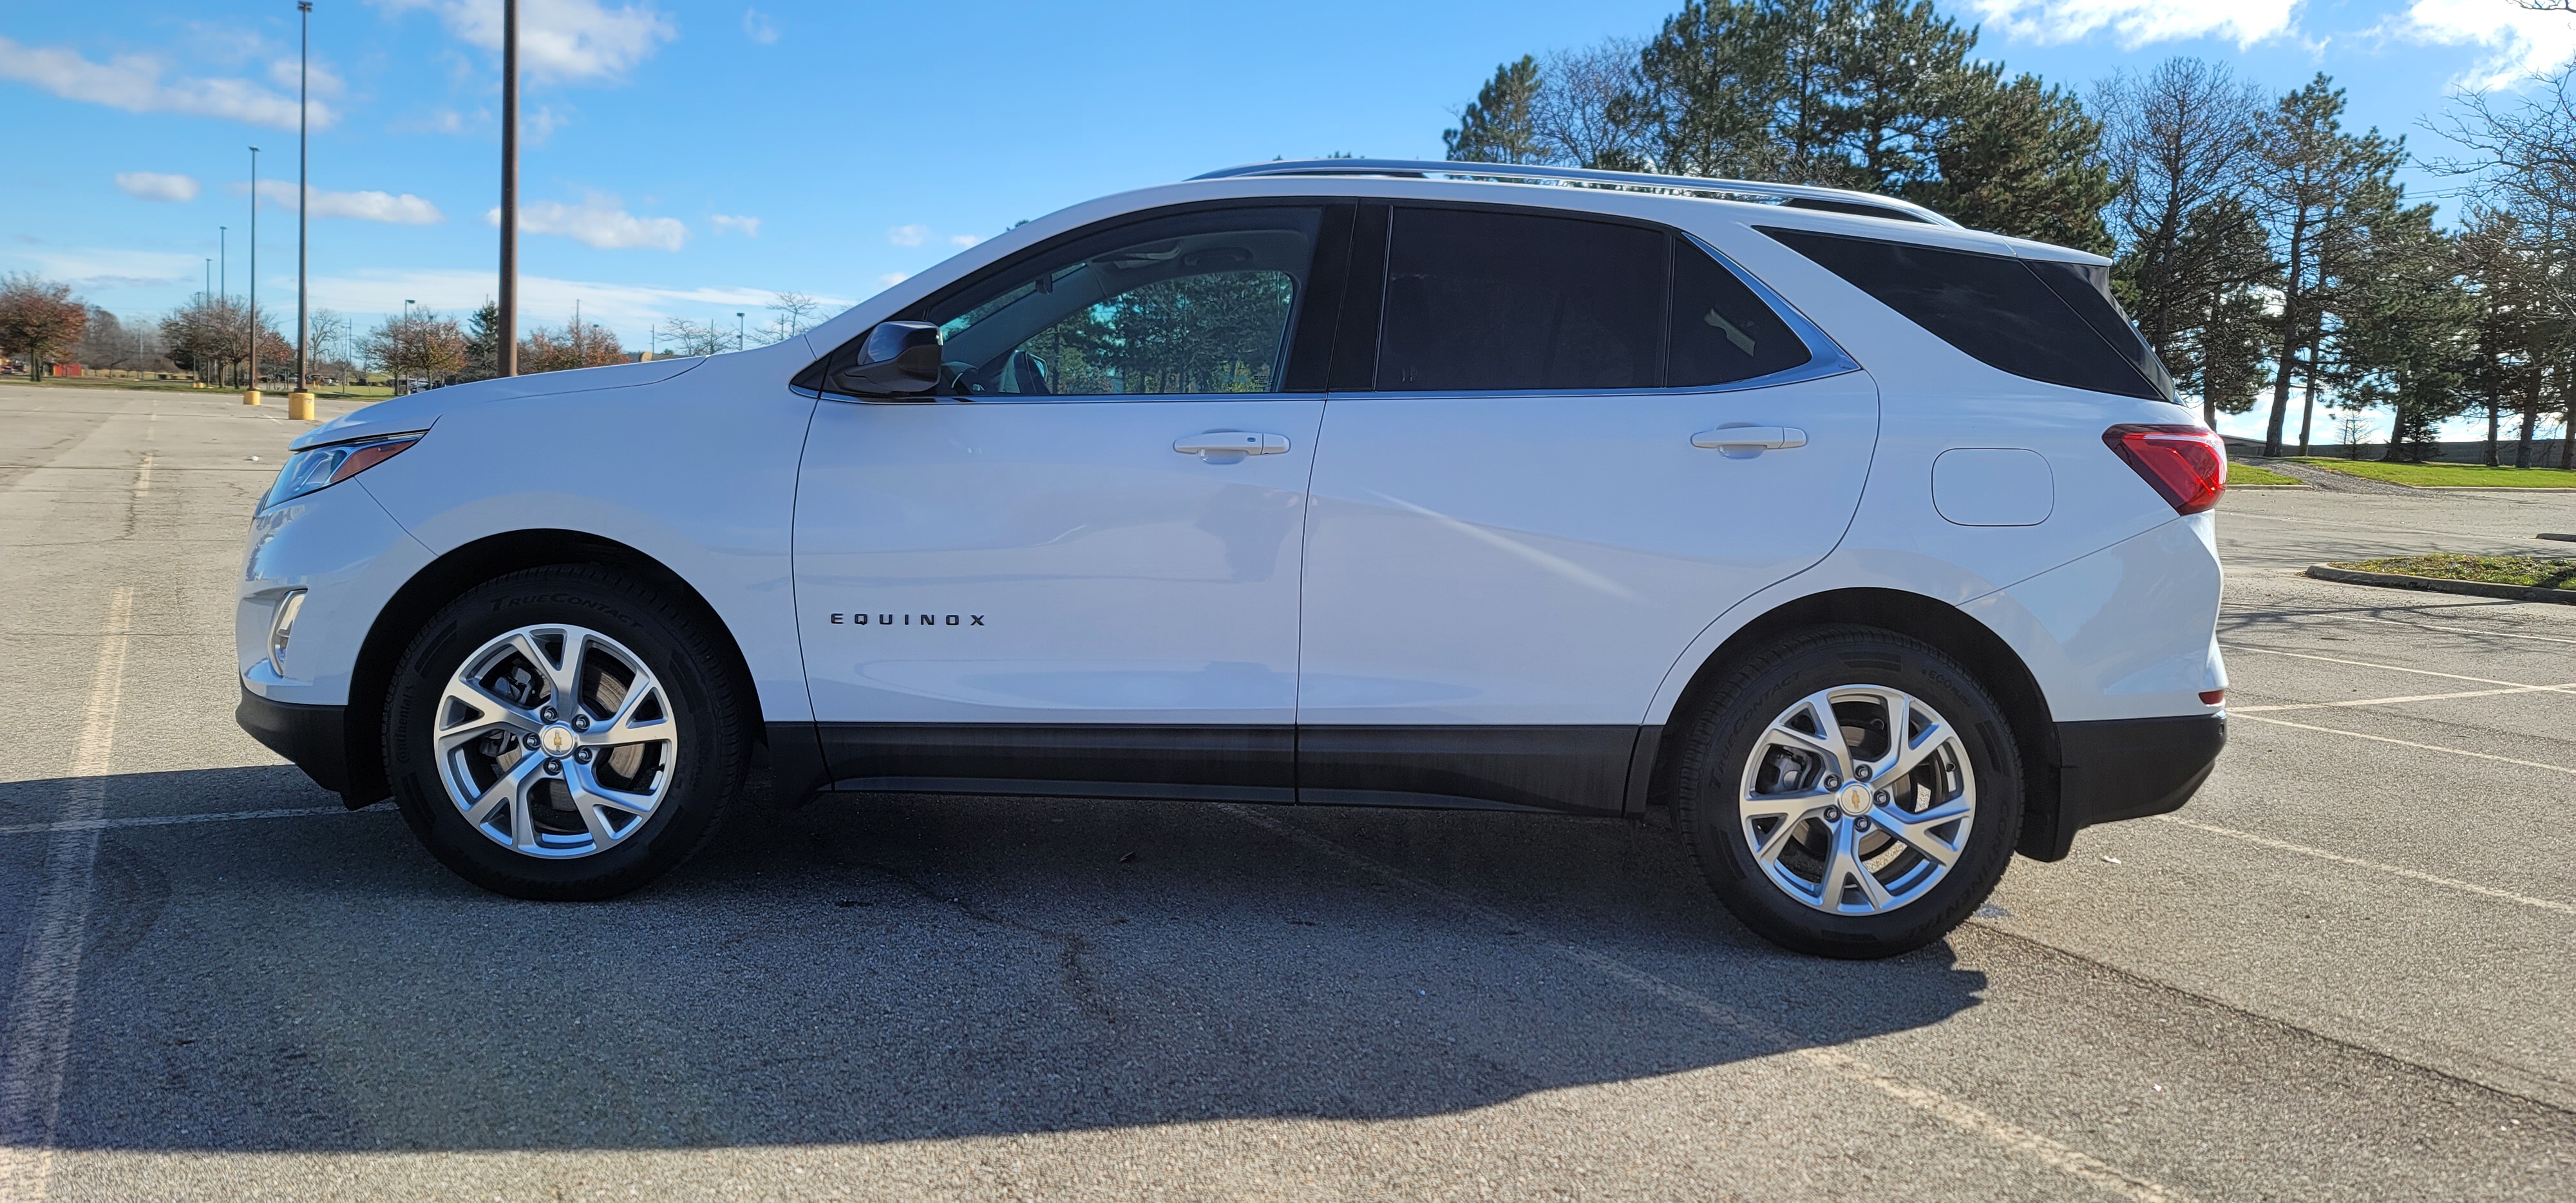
(685, 159)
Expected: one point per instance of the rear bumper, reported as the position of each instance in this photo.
(316, 738)
(2121, 769)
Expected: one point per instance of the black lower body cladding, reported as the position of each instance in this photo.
(2122, 769)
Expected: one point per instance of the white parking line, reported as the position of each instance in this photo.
(2408, 743)
(2412, 697)
(2071, 1161)
(292, 812)
(2395, 668)
(2417, 626)
(143, 477)
(39, 1034)
(2472, 887)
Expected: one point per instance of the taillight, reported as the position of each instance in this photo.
(2186, 464)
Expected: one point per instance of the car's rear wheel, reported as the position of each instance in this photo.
(563, 733)
(1849, 792)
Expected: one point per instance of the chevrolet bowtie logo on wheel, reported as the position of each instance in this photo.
(908, 620)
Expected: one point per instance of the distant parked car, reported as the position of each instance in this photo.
(1869, 549)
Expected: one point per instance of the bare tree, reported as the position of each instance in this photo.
(696, 338)
(2178, 139)
(792, 313)
(1577, 115)
(2523, 171)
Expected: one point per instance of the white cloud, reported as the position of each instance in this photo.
(136, 84)
(757, 26)
(154, 186)
(2139, 22)
(600, 220)
(560, 39)
(750, 226)
(890, 279)
(912, 235)
(93, 268)
(2519, 43)
(964, 239)
(629, 309)
(403, 210)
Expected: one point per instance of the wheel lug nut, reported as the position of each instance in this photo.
(1833, 814)
(529, 741)
(581, 755)
(554, 767)
(1882, 798)
(547, 714)
(1833, 782)
(1861, 773)
(581, 722)
(1860, 825)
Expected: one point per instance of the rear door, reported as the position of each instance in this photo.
(1579, 443)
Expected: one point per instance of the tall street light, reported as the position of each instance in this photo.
(299, 403)
(224, 262)
(250, 387)
(509, 304)
(739, 331)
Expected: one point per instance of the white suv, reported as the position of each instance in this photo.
(1866, 549)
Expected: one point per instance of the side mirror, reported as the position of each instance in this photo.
(895, 358)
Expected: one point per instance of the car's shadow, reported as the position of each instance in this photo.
(885, 968)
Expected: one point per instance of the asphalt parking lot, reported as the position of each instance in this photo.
(2344, 971)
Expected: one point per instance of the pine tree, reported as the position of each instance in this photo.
(1499, 127)
(2308, 170)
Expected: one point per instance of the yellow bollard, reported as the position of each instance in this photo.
(299, 406)
(250, 396)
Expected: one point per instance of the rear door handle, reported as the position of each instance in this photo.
(1228, 444)
(1751, 438)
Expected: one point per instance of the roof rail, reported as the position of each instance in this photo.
(1796, 196)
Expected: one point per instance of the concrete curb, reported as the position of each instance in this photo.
(2300, 485)
(2487, 488)
(2433, 584)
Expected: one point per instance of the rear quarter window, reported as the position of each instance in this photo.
(2004, 312)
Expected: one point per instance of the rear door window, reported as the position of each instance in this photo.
(1721, 331)
(2029, 319)
(1480, 300)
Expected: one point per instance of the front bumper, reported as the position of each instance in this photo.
(316, 738)
(2121, 769)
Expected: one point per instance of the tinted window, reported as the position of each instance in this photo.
(1721, 331)
(1478, 300)
(1196, 303)
(2086, 289)
(1993, 307)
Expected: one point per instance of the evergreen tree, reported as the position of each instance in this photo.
(482, 343)
(2307, 172)
(1499, 126)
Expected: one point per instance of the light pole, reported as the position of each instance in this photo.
(250, 387)
(224, 262)
(299, 404)
(739, 331)
(509, 306)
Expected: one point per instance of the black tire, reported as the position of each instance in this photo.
(1719, 737)
(713, 747)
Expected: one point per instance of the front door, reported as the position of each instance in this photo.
(1584, 442)
(1075, 567)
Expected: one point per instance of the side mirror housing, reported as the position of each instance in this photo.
(895, 359)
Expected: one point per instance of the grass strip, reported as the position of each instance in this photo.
(2248, 474)
(2529, 572)
(2444, 475)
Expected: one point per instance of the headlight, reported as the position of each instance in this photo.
(321, 467)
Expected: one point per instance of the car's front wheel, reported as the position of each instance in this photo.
(563, 733)
(1849, 792)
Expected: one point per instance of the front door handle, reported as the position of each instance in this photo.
(1751, 438)
(1230, 444)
